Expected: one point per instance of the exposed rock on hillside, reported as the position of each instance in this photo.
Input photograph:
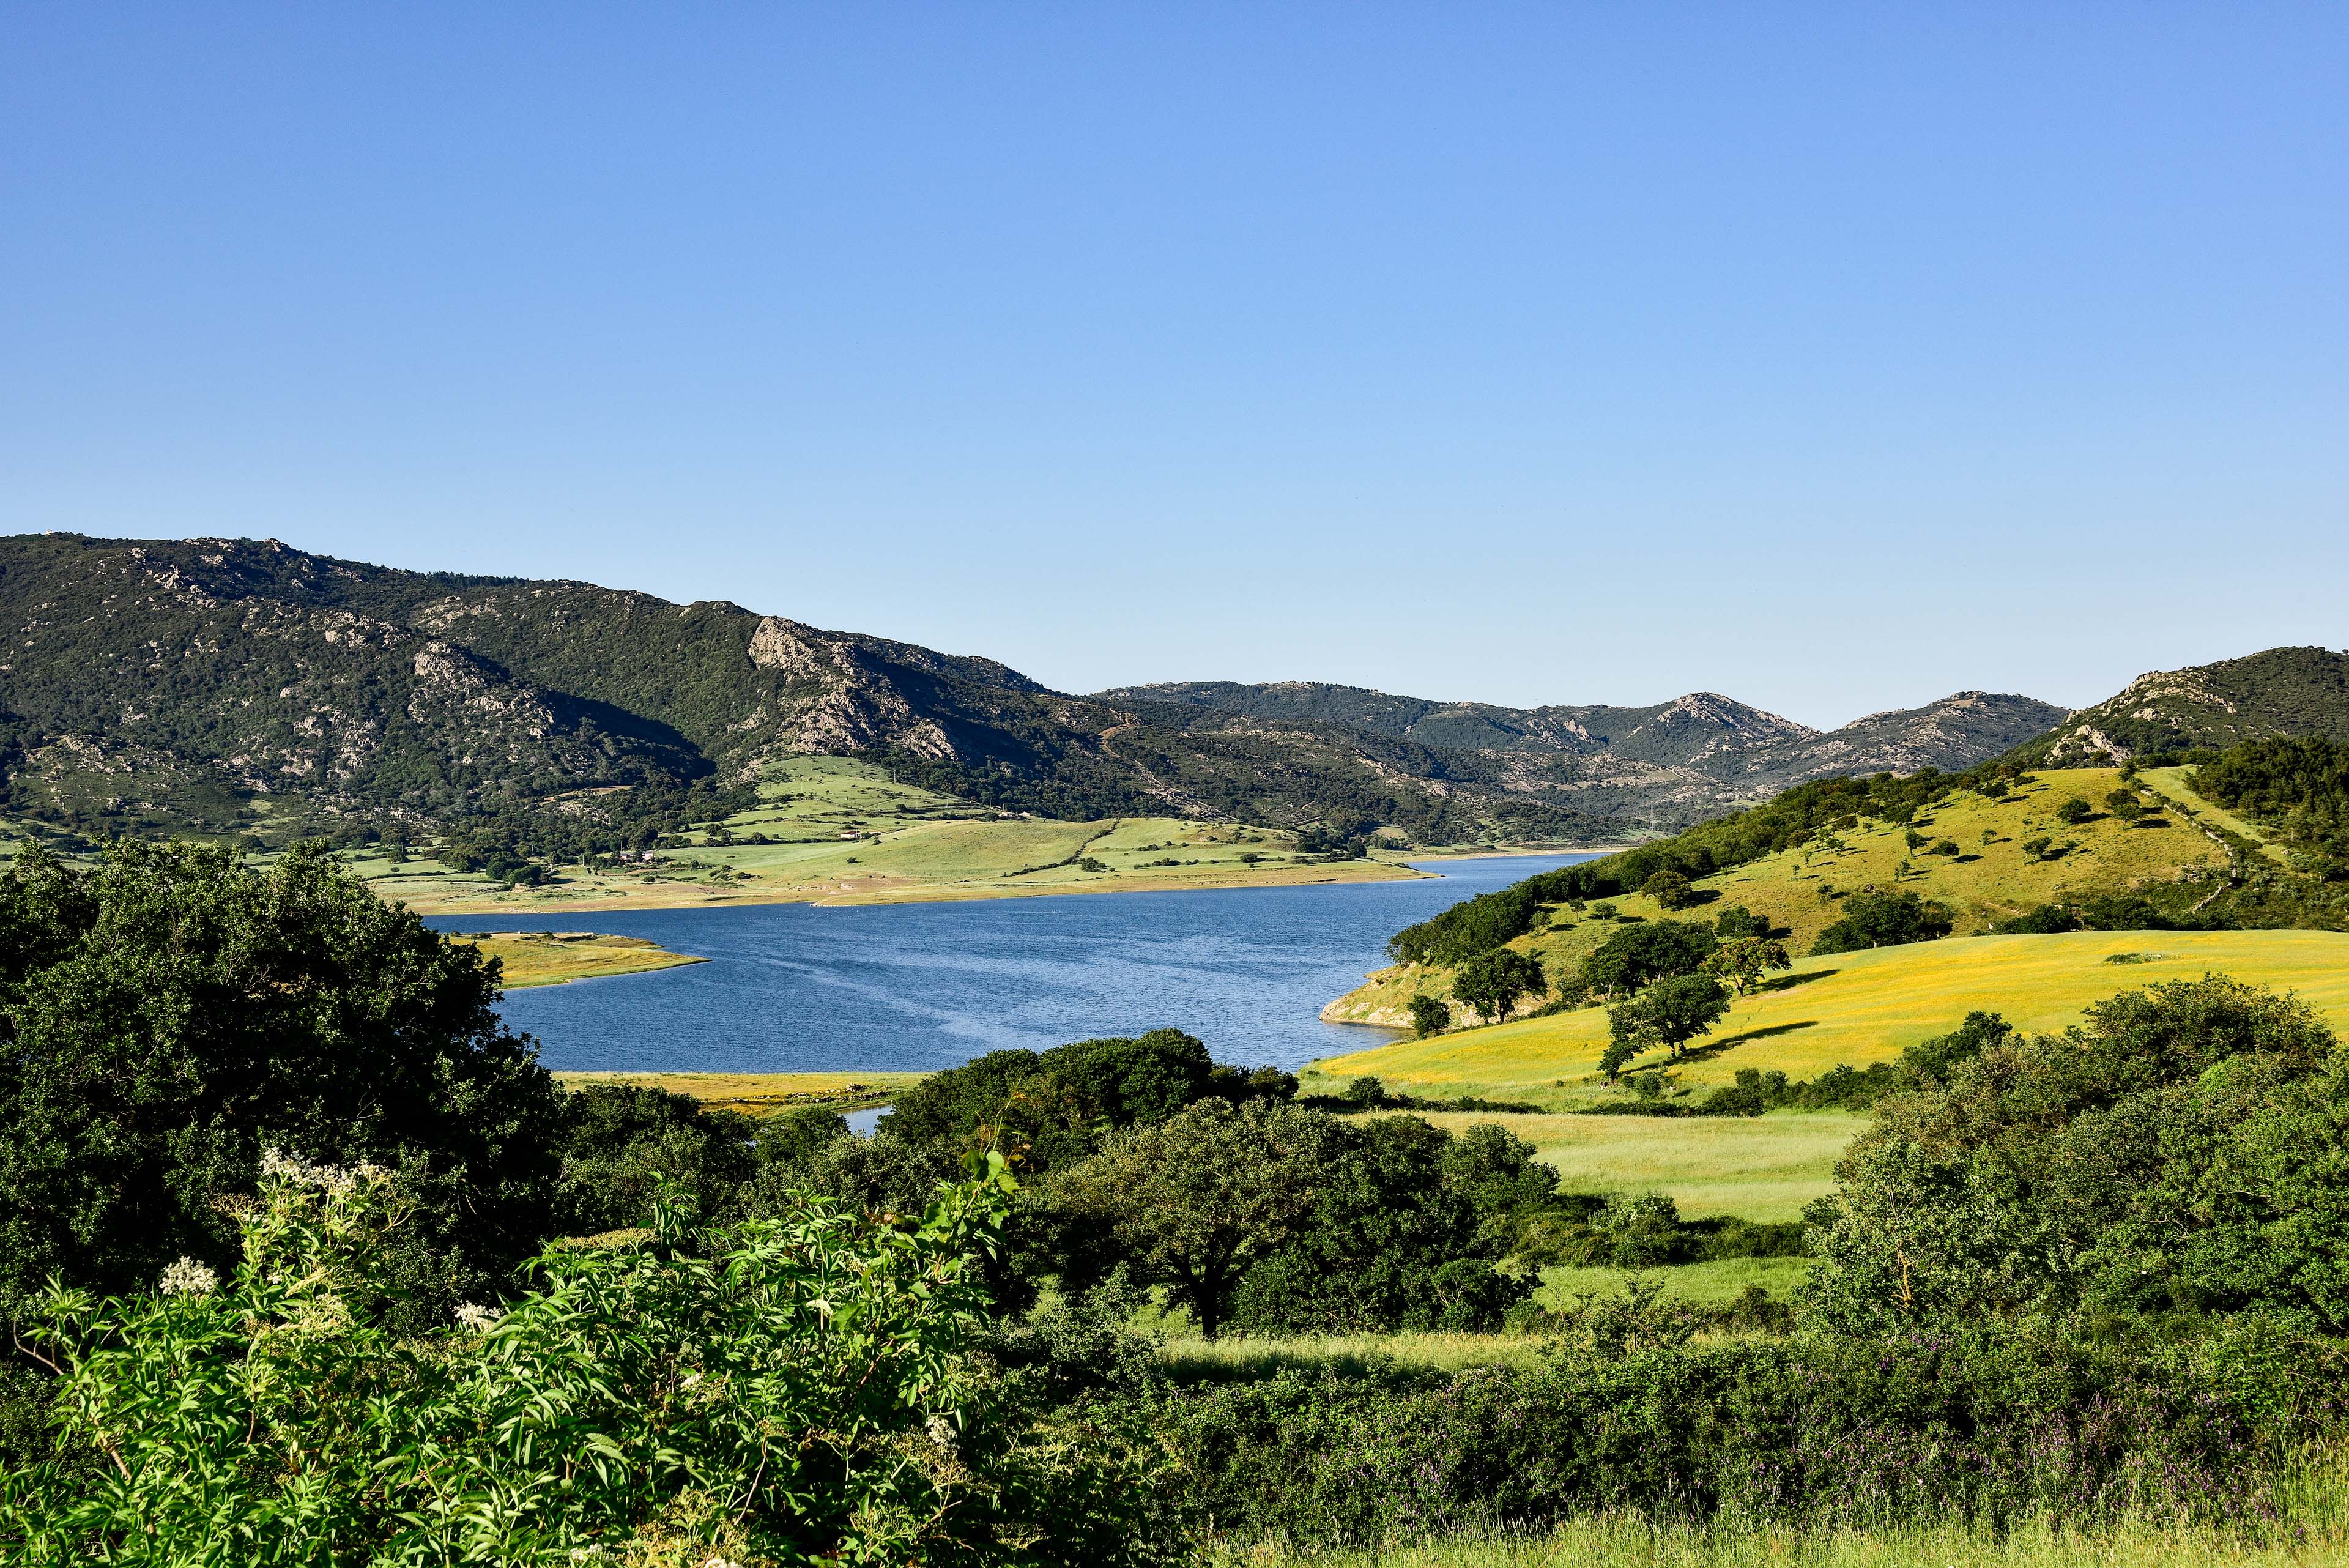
(2282, 691)
(210, 683)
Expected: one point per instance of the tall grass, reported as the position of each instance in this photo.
(1189, 1358)
(2310, 1528)
(1632, 1544)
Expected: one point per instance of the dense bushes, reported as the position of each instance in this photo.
(2297, 786)
(622, 1142)
(2106, 912)
(1471, 926)
(1049, 1107)
(2182, 1152)
(800, 1389)
(1275, 1219)
(1985, 1425)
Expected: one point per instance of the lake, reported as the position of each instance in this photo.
(792, 988)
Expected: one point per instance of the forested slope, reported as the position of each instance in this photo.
(240, 687)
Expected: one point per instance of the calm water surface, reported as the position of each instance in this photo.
(908, 987)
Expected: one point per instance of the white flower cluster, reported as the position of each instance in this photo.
(188, 1278)
(941, 1432)
(334, 1178)
(477, 1319)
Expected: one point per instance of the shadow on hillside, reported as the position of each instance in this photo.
(1805, 977)
(1707, 1051)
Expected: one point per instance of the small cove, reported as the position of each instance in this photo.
(916, 987)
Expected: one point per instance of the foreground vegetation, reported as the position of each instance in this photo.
(2311, 1529)
(309, 1260)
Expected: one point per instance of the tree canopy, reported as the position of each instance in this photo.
(1494, 983)
(1875, 918)
(171, 1013)
(1640, 954)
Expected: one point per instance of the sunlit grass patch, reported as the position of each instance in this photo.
(1864, 1007)
(1763, 1168)
(551, 958)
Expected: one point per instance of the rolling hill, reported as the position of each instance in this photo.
(1704, 732)
(1990, 877)
(233, 686)
(1861, 1008)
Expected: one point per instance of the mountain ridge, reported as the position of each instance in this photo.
(2302, 690)
(230, 685)
(1703, 733)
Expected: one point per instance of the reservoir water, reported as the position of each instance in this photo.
(794, 988)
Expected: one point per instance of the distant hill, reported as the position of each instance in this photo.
(1668, 732)
(2282, 691)
(1702, 751)
(230, 685)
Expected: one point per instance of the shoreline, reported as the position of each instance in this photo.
(887, 890)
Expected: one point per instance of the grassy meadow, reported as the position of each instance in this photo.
(839, 831)
(2312, 1531)
(1763, 1168)
(1988, 878)
(1859, 1008)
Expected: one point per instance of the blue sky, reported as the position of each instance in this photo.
(1833, 357)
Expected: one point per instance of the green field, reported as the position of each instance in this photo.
(1859, 1008)
(1758, 1167)
(839, 831)
(1991, 878)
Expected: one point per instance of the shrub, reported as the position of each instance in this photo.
(2045, 921)
(1274, 1217)
(1737, 921)
(799, 1389)
(1631, 1416)
(2182, 1151)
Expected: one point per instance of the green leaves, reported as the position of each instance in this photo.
(794, 1389)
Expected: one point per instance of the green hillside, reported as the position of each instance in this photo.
(1859, 1008)
(2167, 856)
(220, 686)
(234, 687)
